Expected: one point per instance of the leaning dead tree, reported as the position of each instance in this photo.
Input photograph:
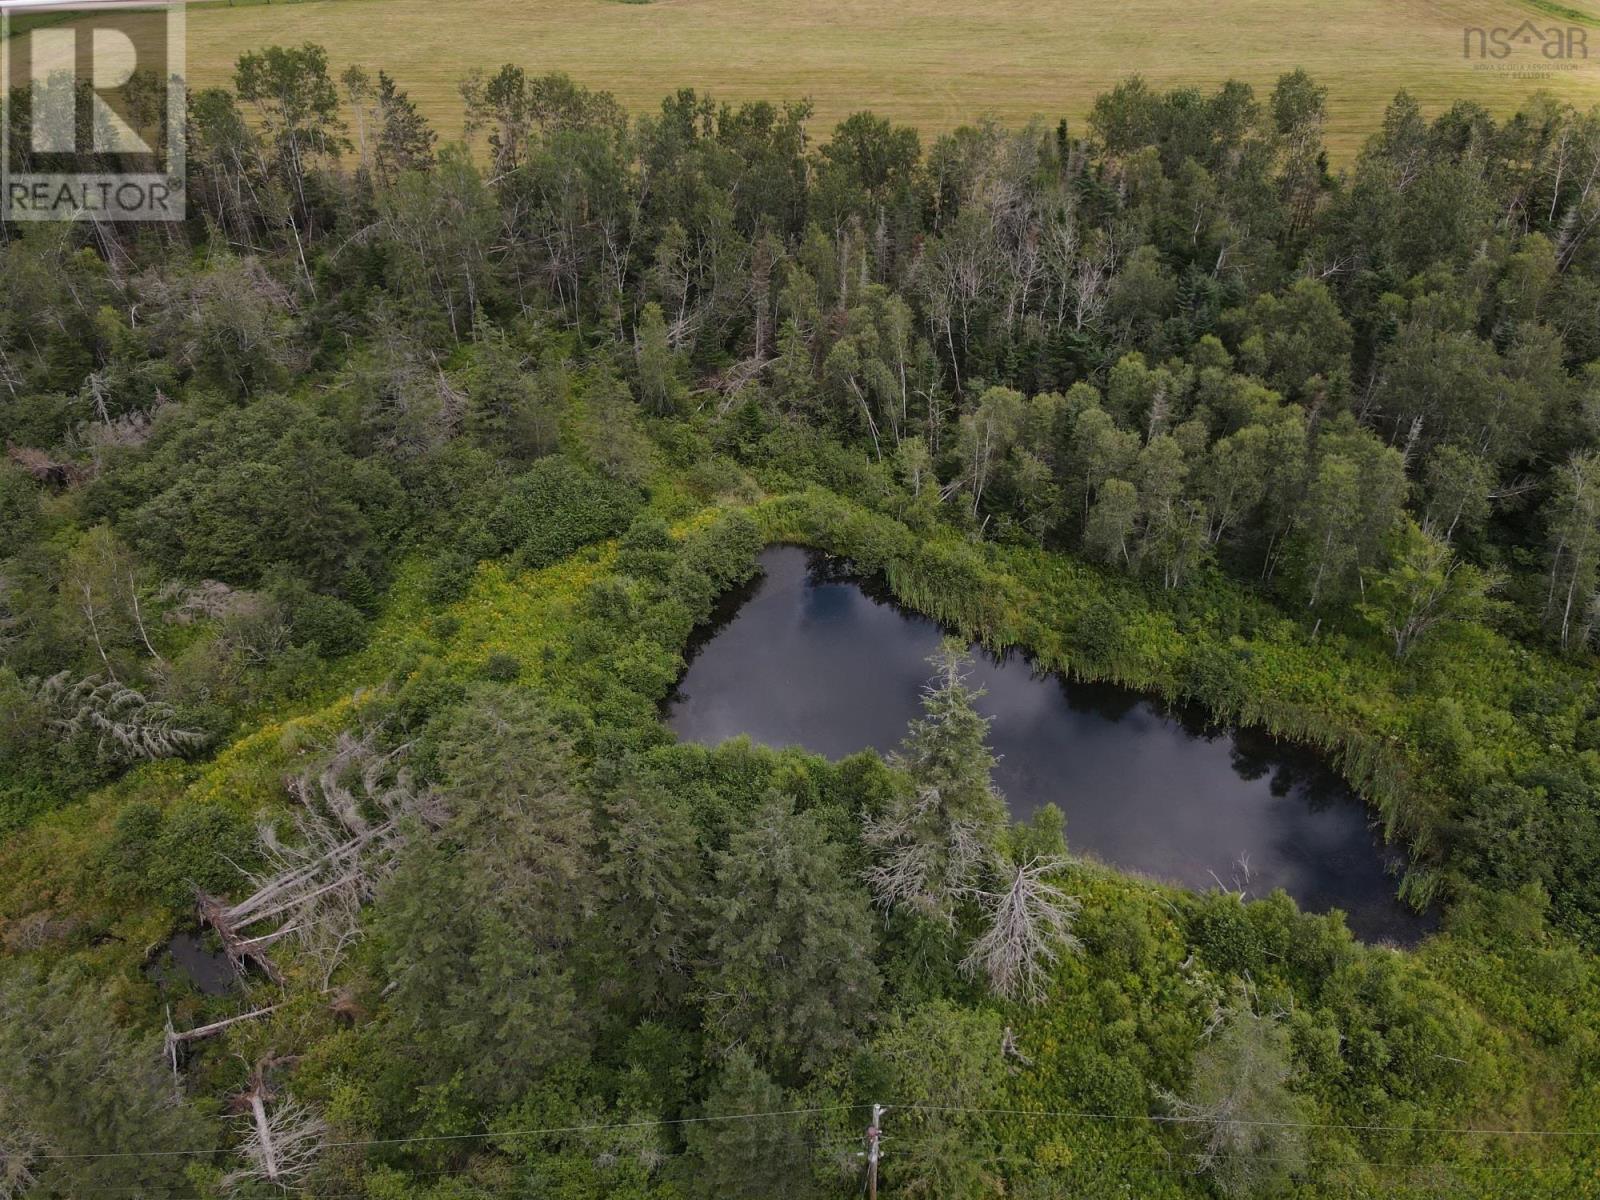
(1030, 926)
(350, 820)
(176, 1038)
(284, 1138)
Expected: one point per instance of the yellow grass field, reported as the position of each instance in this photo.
(932, 63)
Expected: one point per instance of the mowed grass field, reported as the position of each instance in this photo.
(934, 64)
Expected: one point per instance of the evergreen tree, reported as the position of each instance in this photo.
(650, 869)
(405, 140)
(936, 838)
(85, 1107)
(655, 370)
(479, 923)
(790, 944)
(763, 1157)
(941, 1063)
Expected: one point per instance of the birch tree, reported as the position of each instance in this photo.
(1425, 585)
(1570, 607)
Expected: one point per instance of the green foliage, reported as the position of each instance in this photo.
(652, 883)
(167, 855)
(328, 624)
(127, 1129)
(501, 667)
(556, 507)
(481, 917)
(231, 496)
(647, 548)
(1222, 930)
(1425, 587)
(762, 1159)
(944, 1059)
(790, 946)
(1170, 406)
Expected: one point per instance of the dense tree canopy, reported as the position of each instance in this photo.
(353, 532)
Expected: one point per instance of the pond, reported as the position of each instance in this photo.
(807, 656)
(187, 958)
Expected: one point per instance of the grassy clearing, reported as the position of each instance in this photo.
(931, 63)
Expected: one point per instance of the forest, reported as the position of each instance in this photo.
(353, 531)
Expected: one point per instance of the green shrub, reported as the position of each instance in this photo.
(1222, 930)
(647, 549)
(1099, 638)
(19, 507)
(329, 624)
(360, 592)
(502, 668)
(556, 507)
(450, 576)
(166, 856)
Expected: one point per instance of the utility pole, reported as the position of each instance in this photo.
(872, 1151)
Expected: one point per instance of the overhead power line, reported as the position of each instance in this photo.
(488, 1135)
(1054, 1114)
(1177, 1120)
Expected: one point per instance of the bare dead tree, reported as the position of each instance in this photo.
(1030, 926)
(284, 1139)
(640, 1144)
(1010, 1049)
(98, 395)
(209, 598)
(254, 629)
(37, 930)
(125, 431)
(313, 887)
(1091, 286)
(920, 871)
(41, 467)
(9, 375)
(729, 385)
(231, 306)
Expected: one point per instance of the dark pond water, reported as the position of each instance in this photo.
(806, 657)
(186, 958)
